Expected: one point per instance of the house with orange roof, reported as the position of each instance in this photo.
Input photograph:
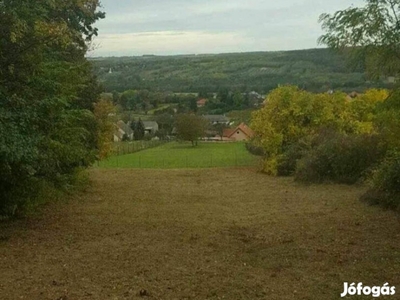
(201, 102)
(238, 134)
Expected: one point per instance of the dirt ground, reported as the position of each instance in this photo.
(199, 234)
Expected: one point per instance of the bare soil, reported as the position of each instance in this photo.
(199, 234)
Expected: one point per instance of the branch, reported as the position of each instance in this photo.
(392, 5)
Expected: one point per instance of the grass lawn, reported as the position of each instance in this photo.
(184, 155)
(160, 107)
(122, 148)
(226, 233)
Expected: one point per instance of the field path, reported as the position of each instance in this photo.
(199, 234)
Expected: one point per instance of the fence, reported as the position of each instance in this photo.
(135, 146)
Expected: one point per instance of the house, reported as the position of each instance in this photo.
(352, 96)
(118, 134)
(391, 79)
(201, 103)
(122, 129)
(150, 127)
(255, 99)
(238, 134)
(217, 119)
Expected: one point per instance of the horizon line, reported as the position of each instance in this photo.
(209, 53)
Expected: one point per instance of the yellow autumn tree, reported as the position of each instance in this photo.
(104, 111)
(290, 115)
(363, 109)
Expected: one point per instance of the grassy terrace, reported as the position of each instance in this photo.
(184, 155)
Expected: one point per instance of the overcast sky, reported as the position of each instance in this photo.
(165, 27)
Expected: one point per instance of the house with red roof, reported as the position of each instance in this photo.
(201, 102)
(238, 134)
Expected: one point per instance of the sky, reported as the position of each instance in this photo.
(170, 27)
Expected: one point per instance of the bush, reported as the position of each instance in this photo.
(385, 181)
(287, 161)
(38, 191)
(255, 150)
(340, 158)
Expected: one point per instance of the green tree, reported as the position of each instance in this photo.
(130, 100)
(190, 127)
(47, 90)
(238, 100)
(139, 130)
(371, 34)
(165, 121)
(193, 104)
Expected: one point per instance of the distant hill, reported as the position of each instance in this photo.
(313, 69)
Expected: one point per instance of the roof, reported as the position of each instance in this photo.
(150, 124)
(124, 127)
(118, 133)
(202, 101)
(228, 132)
(216, 118)
(243, 127)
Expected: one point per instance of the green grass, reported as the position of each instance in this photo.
(183, 155)
(160, 107)
(123, 148)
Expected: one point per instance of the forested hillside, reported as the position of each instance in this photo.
(314, 70)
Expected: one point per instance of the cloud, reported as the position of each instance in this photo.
(211, 26)
(167, 42)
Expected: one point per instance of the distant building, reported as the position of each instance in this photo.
(150, 127)
(352, 95)
(201, 103)
(217, 119)
(121, 130)
(238, 134)
(255, 99)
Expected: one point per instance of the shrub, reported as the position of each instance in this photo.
(340, 158)
(385, 182)
(287, 161)
(255, 150)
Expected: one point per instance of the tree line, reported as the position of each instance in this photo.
(314, 70)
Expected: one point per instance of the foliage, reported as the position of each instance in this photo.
(103, 111)
(291, 117)
(258, 151)
(190, 127)
(240, 116)
(385, 183)
(340, 158)
(370, 33)
(290, 114)
(287, 161)
(385, 178)
(316, 70)
(363, 110)
(387, 119)
(165, 122)
(139, 130)
(47, 128)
